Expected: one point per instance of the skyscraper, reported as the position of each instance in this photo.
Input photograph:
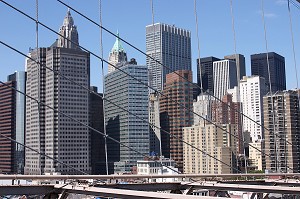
(169, 45)
(19, 77)
(12, 124)
(125, 94)
(173, 117)
(224, 76)
(117, 56)
(259, 66)
(205, 73)
(240, 62)
(252, 90)
(282, 138)
(35, 114)
(96, 118)
(47, 130)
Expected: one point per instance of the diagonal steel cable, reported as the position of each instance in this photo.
(134, 47)
(134, 79)
(142, 52)
(91, 91)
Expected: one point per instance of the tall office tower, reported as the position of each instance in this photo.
(282, 137)
(174, 116)
(224, 76)
(227, 112)
(202, 108)
(35, 114)
(205, 72)
(252, 90)
(259, 66)
(169, 45)
(49, 131)
(240, 62)
(96, 118)
(125, 94)
(12, 124)
(117, 56)
(216, 143)
(19, 77)
(155, 137)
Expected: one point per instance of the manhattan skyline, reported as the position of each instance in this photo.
(130, 18)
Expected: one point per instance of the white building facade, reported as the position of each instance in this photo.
(252, 90)
(224, 76)
(202, 107)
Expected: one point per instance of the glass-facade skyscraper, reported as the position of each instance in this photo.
(126, 95)
(19, 159)
(12, 124)
(259, 66)
(169, 45)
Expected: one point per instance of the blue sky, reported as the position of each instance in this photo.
(130, 17)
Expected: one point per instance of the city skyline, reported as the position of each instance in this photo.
(248, 25)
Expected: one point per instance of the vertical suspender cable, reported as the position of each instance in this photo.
(294, 55)
(103, 87)
(199, 65)
(237, 63)
(155, 57)
(198, 46)
(293, 45)
(270, 86)
(39, 78)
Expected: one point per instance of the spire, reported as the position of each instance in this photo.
(68, 21)
(68, 30)
(117, 56)
(118, 45)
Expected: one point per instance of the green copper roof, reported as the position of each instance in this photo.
(118, 46)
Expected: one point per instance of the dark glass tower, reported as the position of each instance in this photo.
(259, 66)
(206, 71)
(12, 124)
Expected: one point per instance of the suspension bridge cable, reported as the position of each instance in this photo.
(294, 53)
(91, 91)
(103, 87)
(39, 77)
(270, 85)
(127, 75)
(154, 42)
(68, 116)
(295, 4)
(198, 46)
(237, 64)
(158, 62)
(108, 63)
(24, 145)
(134, 47)
(293, 45)
(136, 80)
(133, 78)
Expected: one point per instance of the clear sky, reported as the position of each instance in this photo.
(130, 17)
